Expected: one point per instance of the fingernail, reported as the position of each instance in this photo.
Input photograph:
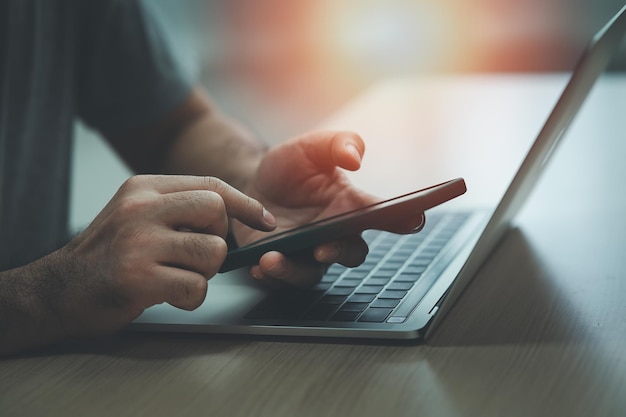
(269, 218)
(354, 151)
(256, 272)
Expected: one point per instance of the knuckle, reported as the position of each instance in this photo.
(129, 250)
(135, 182)
(211, 250)
(253, 205)
(193, 293)
(194, 247)
(215, 202)
(220, 249)
(126, 279)
(214, 184)
(217, 255)
(133, 205)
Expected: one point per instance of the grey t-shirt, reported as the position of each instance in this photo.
(101, 60)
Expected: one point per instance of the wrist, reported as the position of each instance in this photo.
(213, 144)
(49, 296)
(29, 316)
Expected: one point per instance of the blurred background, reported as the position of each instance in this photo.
(283, 66)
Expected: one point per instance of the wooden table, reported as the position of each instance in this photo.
(540, 332)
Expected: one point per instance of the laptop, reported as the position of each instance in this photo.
(408, 282)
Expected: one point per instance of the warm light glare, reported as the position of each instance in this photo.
(380, 38)
(388, 37)
(289, 64)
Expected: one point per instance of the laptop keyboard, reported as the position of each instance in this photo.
(398, 272)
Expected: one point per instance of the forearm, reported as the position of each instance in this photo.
(215, 145)
(193, 139)
(27, 316)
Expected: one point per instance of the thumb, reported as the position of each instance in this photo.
(334, 149)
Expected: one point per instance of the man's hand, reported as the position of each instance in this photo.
(159, 239)
(302, 181)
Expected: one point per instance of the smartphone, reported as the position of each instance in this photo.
(375, 216)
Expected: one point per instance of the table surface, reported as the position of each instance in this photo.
(540, 331)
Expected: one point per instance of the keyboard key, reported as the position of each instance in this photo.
(430, 252)
(394, 265)
(399, 255)
(347, 282)
(396, 320)
(414, 269)
(330, 278)
(358, 307)
(368, 264)
(392, 294)
(356, 274)
(370, 289)
(406, 285)
(403, 253)
(384, 273)
(377, 255)
(414, 240)
(382, 247)
(336, 269)
(421, 260)
(376, 281)
(339, 291)
(438, 242)
(370, 234)
(404, 277)
(412, 245)
(361, 298)
(375, 315)
(385, 303)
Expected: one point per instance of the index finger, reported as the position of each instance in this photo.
(238, 205)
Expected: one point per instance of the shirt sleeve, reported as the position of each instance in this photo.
(127, 75)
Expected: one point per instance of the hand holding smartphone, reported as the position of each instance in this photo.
(375, 216)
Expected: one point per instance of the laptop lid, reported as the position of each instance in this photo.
(594, 60)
